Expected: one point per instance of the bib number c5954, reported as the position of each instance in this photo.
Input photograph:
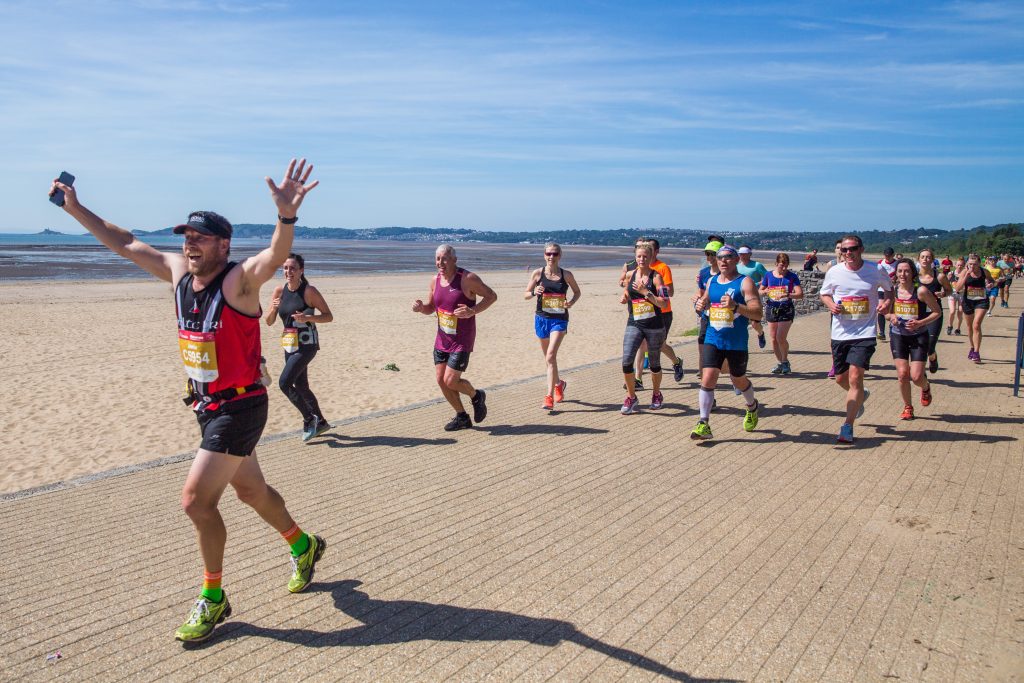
(199, 353)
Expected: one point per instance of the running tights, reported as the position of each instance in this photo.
(294, 382)
(631, 342)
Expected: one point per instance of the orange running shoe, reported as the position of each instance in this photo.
(549, 403)
(560, 391)
(926, 395)
(908, 413)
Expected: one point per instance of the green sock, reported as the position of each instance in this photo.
(301, 545)
(213, 594)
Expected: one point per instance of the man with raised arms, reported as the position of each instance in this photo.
(850, 292)
(453, 297)
(218, 307)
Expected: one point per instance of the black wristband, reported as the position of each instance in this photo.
(287, 221)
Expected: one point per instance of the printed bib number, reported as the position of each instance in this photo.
(552, 303)
(905, 309)
(976, 293)
(720, 316)
(642, 309)
(199, 353)
(854, 307)
(778, 293)
(447, 321)
(290, 340)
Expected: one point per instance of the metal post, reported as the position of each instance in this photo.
(1019, 356)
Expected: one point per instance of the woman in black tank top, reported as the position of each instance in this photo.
(937, 283)
(296, 303)
(550, 285)
(974, 284)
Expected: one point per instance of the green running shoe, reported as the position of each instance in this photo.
(750, 420)
(204, 616)
(701, 431)
(304, 565)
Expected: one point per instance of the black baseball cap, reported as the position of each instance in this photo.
(889, 251)
(206, 222)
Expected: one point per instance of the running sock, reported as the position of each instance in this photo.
(748, 393)
(705, 399)
(297, 539)
(211, 586)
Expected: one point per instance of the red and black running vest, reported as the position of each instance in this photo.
(219, 345)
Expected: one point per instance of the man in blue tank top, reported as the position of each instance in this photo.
(731, 301)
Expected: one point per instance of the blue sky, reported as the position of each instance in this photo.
(518, 115)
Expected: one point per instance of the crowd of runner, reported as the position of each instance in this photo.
(219, 310)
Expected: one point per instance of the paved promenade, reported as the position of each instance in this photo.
(577, 546)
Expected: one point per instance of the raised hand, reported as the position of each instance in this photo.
(289, 194)
(70, 197)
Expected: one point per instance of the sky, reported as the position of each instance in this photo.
(518, 115)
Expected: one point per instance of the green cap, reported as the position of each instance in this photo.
(713, 246)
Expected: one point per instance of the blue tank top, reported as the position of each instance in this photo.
(727, 329)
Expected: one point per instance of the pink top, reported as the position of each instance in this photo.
(453, 334)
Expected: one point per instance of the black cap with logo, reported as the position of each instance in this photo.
(206, 222)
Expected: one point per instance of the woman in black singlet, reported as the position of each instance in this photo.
(973, 284)
(936, 282)
(908, 333)
(551, 284)
(296, 302)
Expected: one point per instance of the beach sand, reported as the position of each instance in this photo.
(93, 379)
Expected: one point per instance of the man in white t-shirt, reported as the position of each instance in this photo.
(851, 292)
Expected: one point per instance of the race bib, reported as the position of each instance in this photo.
(290, 340)
(447, 321)
(720, 316)
(976, 293)
(905, 309)
(854, 307)
(642, 309)
(552, 303)
(778, 293)
(199, 353)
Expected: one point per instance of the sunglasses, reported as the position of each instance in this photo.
(551, 253)
(846, 250)
(726, 257)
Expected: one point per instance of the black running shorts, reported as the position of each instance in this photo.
(456, 360)
(779, 314)
(913, 347)
(235, 427)
(971, 305)
(847, 352)
(714, 357)
(703, 329)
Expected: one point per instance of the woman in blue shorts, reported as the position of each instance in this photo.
(550, 285)
(780, 287)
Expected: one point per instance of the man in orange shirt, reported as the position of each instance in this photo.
(662, 269)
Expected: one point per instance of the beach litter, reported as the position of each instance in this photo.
(53, 657)
(390, 366)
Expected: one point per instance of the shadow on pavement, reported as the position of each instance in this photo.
(405, 621)
(340, 441)
(556, 429)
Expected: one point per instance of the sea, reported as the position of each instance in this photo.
(81, 257)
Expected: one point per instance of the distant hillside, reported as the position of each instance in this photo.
(983, 239)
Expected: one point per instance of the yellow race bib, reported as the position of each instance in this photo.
(778, 293)
(290, 340)
(976, 293)
(854, 307)
(447, 321)
(642, 309)
(199, 353)
(905, 309)
(721, 316)
(552, 303)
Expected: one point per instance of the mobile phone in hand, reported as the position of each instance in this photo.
(65, 179)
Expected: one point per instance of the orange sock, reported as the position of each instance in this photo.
(211, 585)
(298, 540)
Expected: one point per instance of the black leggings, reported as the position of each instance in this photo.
(294, 382)
(934, 330)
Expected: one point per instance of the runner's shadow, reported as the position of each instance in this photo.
(341, 441)
(936, 435)
(387, 622)
(554, 429)
(957, 384)
(972, 419)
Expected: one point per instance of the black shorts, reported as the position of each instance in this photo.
(913, 347)
(235, 427)
(703, 329)
(666, 318)
(713, 357)
(1001, 284)
(847, 352)
(779, 314)
(970, 305)
(456, 360)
